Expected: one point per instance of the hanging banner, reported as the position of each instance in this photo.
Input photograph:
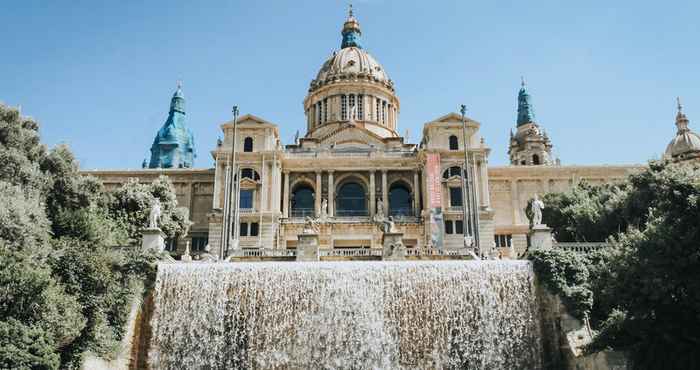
(434, 190)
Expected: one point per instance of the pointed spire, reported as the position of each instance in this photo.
(351, 31)
(177, 103)
(681, 120)
(525, 111)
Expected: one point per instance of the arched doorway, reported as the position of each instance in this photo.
(399, 200)
(302, 201)
(351, 200)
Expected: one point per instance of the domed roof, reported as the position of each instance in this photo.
(683, 143)
(351, 62)
(686, 141)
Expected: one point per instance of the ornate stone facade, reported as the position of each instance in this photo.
(352, 168)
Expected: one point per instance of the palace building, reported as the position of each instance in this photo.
(352, 168)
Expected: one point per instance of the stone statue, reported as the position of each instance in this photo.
(389, 226)
(324, 209)
(537, 207)
(310, 226)
(353, 113)
(154, 216)
(380, 211)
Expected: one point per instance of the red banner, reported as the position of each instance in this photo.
(433, 176)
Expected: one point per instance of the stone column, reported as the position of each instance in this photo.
(372, 195)
(331, 194)
(385, 193)
(285, 201)
(416, 194)
(218, 181)
(486, 197)
(514, 200)
(318, 194)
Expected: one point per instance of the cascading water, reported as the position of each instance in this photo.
(346, 315)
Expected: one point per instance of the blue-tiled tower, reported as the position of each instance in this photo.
(525, 112)
(173, 146)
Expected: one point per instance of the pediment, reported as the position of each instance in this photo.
(352, 138)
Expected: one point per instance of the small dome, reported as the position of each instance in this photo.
(684, 143)
(351, 62)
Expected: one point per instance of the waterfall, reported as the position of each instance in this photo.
(346, 315)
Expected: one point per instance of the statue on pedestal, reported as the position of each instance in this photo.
(186, 257)
(537, 207)
(389, 226)
(154, 215)
(324, 210)
(310, 226)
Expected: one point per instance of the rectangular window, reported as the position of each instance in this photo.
(254, 228)
(383, 112)
(199, 242)
(360, 107)
(448, 227)
(343, 107)
(243, 229)
(319, 113)
(376, 106)
(455, 197)
(459, 227)
(325, 110)
(503, 240)
(246, 199)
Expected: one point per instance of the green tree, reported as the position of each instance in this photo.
(68, 273)
(132, 203)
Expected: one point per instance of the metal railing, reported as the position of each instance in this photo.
(350, 252)
(351, 212)
(401, 212)
(263, 253)
(437, 252)
(582, 247)
(303, 212)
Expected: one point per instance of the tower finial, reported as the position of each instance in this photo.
(179, 84)
(350, 10)
(522, 81)
(680, 107)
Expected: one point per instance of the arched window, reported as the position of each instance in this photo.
(535, 159)
(351, 200)
(399, 200)
(302, 201)
(248, 144)
(452, 171)
(454, 144)
(249, 173)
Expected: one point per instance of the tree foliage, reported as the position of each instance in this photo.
(646, 287)
(69, 270)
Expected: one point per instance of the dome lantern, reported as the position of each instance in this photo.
(351, 32)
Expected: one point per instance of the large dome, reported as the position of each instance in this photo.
(351, 63)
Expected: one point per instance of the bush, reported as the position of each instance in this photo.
(26, 347)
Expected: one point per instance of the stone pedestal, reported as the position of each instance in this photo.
(393, 248)
(307, 248)
(153, 239)
(540, 238)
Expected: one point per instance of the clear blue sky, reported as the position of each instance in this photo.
(603, 75)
